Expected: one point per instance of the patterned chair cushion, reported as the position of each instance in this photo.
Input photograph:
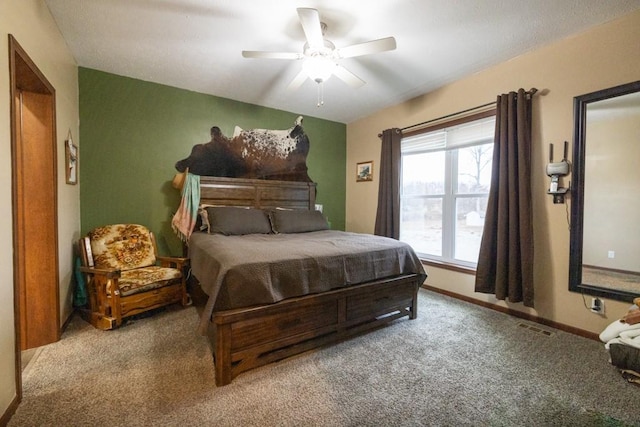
(147, 278)
(122, 246)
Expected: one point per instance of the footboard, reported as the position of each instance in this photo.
(244, 339)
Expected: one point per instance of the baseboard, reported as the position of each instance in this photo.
(11, 409)
(67, 321)
(515, 313)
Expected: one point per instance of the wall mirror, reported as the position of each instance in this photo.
(605, 209)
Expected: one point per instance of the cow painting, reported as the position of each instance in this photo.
(255, 153)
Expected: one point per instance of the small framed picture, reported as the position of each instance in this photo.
(71, 160)
(364, 171)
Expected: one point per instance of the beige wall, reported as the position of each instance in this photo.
(605, 56)
(33, 27)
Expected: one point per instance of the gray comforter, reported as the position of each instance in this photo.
(255, 269)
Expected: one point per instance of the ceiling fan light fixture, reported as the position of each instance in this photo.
(318, 68)
(320, 57)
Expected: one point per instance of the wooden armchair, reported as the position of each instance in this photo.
(125, 276)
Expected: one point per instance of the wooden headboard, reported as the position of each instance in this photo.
(258, 193)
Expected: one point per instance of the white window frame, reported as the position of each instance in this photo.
(450, 196)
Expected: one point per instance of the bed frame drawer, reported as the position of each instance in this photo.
(244, 339)
(380, 301)
(283, 324)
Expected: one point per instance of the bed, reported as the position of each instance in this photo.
(270, 296)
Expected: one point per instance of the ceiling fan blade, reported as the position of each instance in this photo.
(298, 80)
(348, 77)
(271, 55)
(373, 46)
(310, 20)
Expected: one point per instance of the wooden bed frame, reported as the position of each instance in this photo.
(243, 339)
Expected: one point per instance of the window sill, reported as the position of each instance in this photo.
(449, 266)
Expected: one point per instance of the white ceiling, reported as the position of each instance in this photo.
(197, 44)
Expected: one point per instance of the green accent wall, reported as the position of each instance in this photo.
(133, 132)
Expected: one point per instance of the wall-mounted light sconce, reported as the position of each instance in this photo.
(555, 171)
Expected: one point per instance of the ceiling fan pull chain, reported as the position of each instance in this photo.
(320, 95)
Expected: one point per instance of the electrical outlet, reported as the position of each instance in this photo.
(611, 254)
(597, 306)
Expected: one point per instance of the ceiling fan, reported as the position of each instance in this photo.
(320, 55)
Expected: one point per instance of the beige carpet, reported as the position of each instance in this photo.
(456, 365)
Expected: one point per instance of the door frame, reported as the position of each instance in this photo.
(24, 74)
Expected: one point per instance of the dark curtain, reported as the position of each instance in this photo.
(505, 263)
(388, 213)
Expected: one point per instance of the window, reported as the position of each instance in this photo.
(446, 174)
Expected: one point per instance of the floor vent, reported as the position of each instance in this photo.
(536, 329)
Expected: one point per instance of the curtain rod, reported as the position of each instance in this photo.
(531, 92)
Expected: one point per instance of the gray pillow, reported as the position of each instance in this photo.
(297, 221)
(236, 221)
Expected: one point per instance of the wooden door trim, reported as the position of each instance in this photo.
(19, 61)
